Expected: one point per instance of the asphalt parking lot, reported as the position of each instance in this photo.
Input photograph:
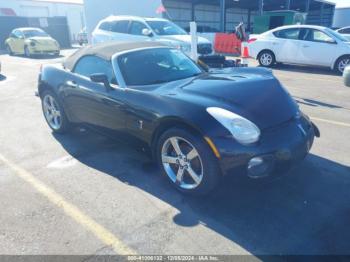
(86, 194)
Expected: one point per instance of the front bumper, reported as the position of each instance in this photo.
(44, 50)
(278, 149)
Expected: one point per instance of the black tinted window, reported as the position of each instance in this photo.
(156, 66)
(105, 26)
(136, 28)
(89, 65)
(292, 33)
(120, 27)
(345, 31)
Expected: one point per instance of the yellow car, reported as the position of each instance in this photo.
(31, 41)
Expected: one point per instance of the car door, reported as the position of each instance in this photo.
(16, 41)
(286, 45)
(317, 48)
(92, 103)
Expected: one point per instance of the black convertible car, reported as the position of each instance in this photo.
(199, 126)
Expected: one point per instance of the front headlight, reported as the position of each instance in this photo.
(33, 42)
(243, 130)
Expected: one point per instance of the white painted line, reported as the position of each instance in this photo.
(64, 162)
(72, 211)
(330, 121)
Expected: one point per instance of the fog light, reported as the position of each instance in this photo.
(255, 162)
(259, 167)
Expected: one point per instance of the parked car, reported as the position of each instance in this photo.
(345, 31)
(133, 28)
(31, 41)
(198, 126)
(301, 44)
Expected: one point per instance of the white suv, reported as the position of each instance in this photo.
(301, 44)
(132, 28)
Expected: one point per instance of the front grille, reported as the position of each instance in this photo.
(204, 49)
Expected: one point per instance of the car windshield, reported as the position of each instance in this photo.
(166, 28)
(337, 35)
(155, 66)
(34, 33)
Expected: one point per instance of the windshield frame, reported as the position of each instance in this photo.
(180, 29)
(119, 74)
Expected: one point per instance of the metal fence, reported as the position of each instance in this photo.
(57, 27)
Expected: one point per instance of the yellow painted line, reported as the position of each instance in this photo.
(72, 211)
(330, 121)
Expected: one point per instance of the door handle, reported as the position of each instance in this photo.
(72, 84)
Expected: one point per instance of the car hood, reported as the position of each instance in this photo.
(185, 39)
(255, 96)
(42, 39)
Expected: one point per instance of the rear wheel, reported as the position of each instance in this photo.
(187, 161)
(341, 63)
(266, 58)
(9, 50)
(54, 113)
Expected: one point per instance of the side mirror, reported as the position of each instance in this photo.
(100, 78)
(346, 76)
(147, 32)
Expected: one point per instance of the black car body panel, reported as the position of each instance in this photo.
(139, 112)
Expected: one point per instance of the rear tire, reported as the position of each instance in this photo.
(9, 51)
(54, 113)
(266, 58)
(341, 63)
(196, 173)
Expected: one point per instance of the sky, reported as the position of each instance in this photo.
(341, 2)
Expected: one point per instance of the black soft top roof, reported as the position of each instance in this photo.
(107, 50)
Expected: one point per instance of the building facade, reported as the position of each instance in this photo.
(342, 17)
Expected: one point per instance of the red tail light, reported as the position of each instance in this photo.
(252, 40)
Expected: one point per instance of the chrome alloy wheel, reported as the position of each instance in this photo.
(52, 112)
(266, 59)
(343, 63)
(182, 163)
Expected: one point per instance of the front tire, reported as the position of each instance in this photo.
(54, 112)
(266, 58)
(341, 63)
(187, 161)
